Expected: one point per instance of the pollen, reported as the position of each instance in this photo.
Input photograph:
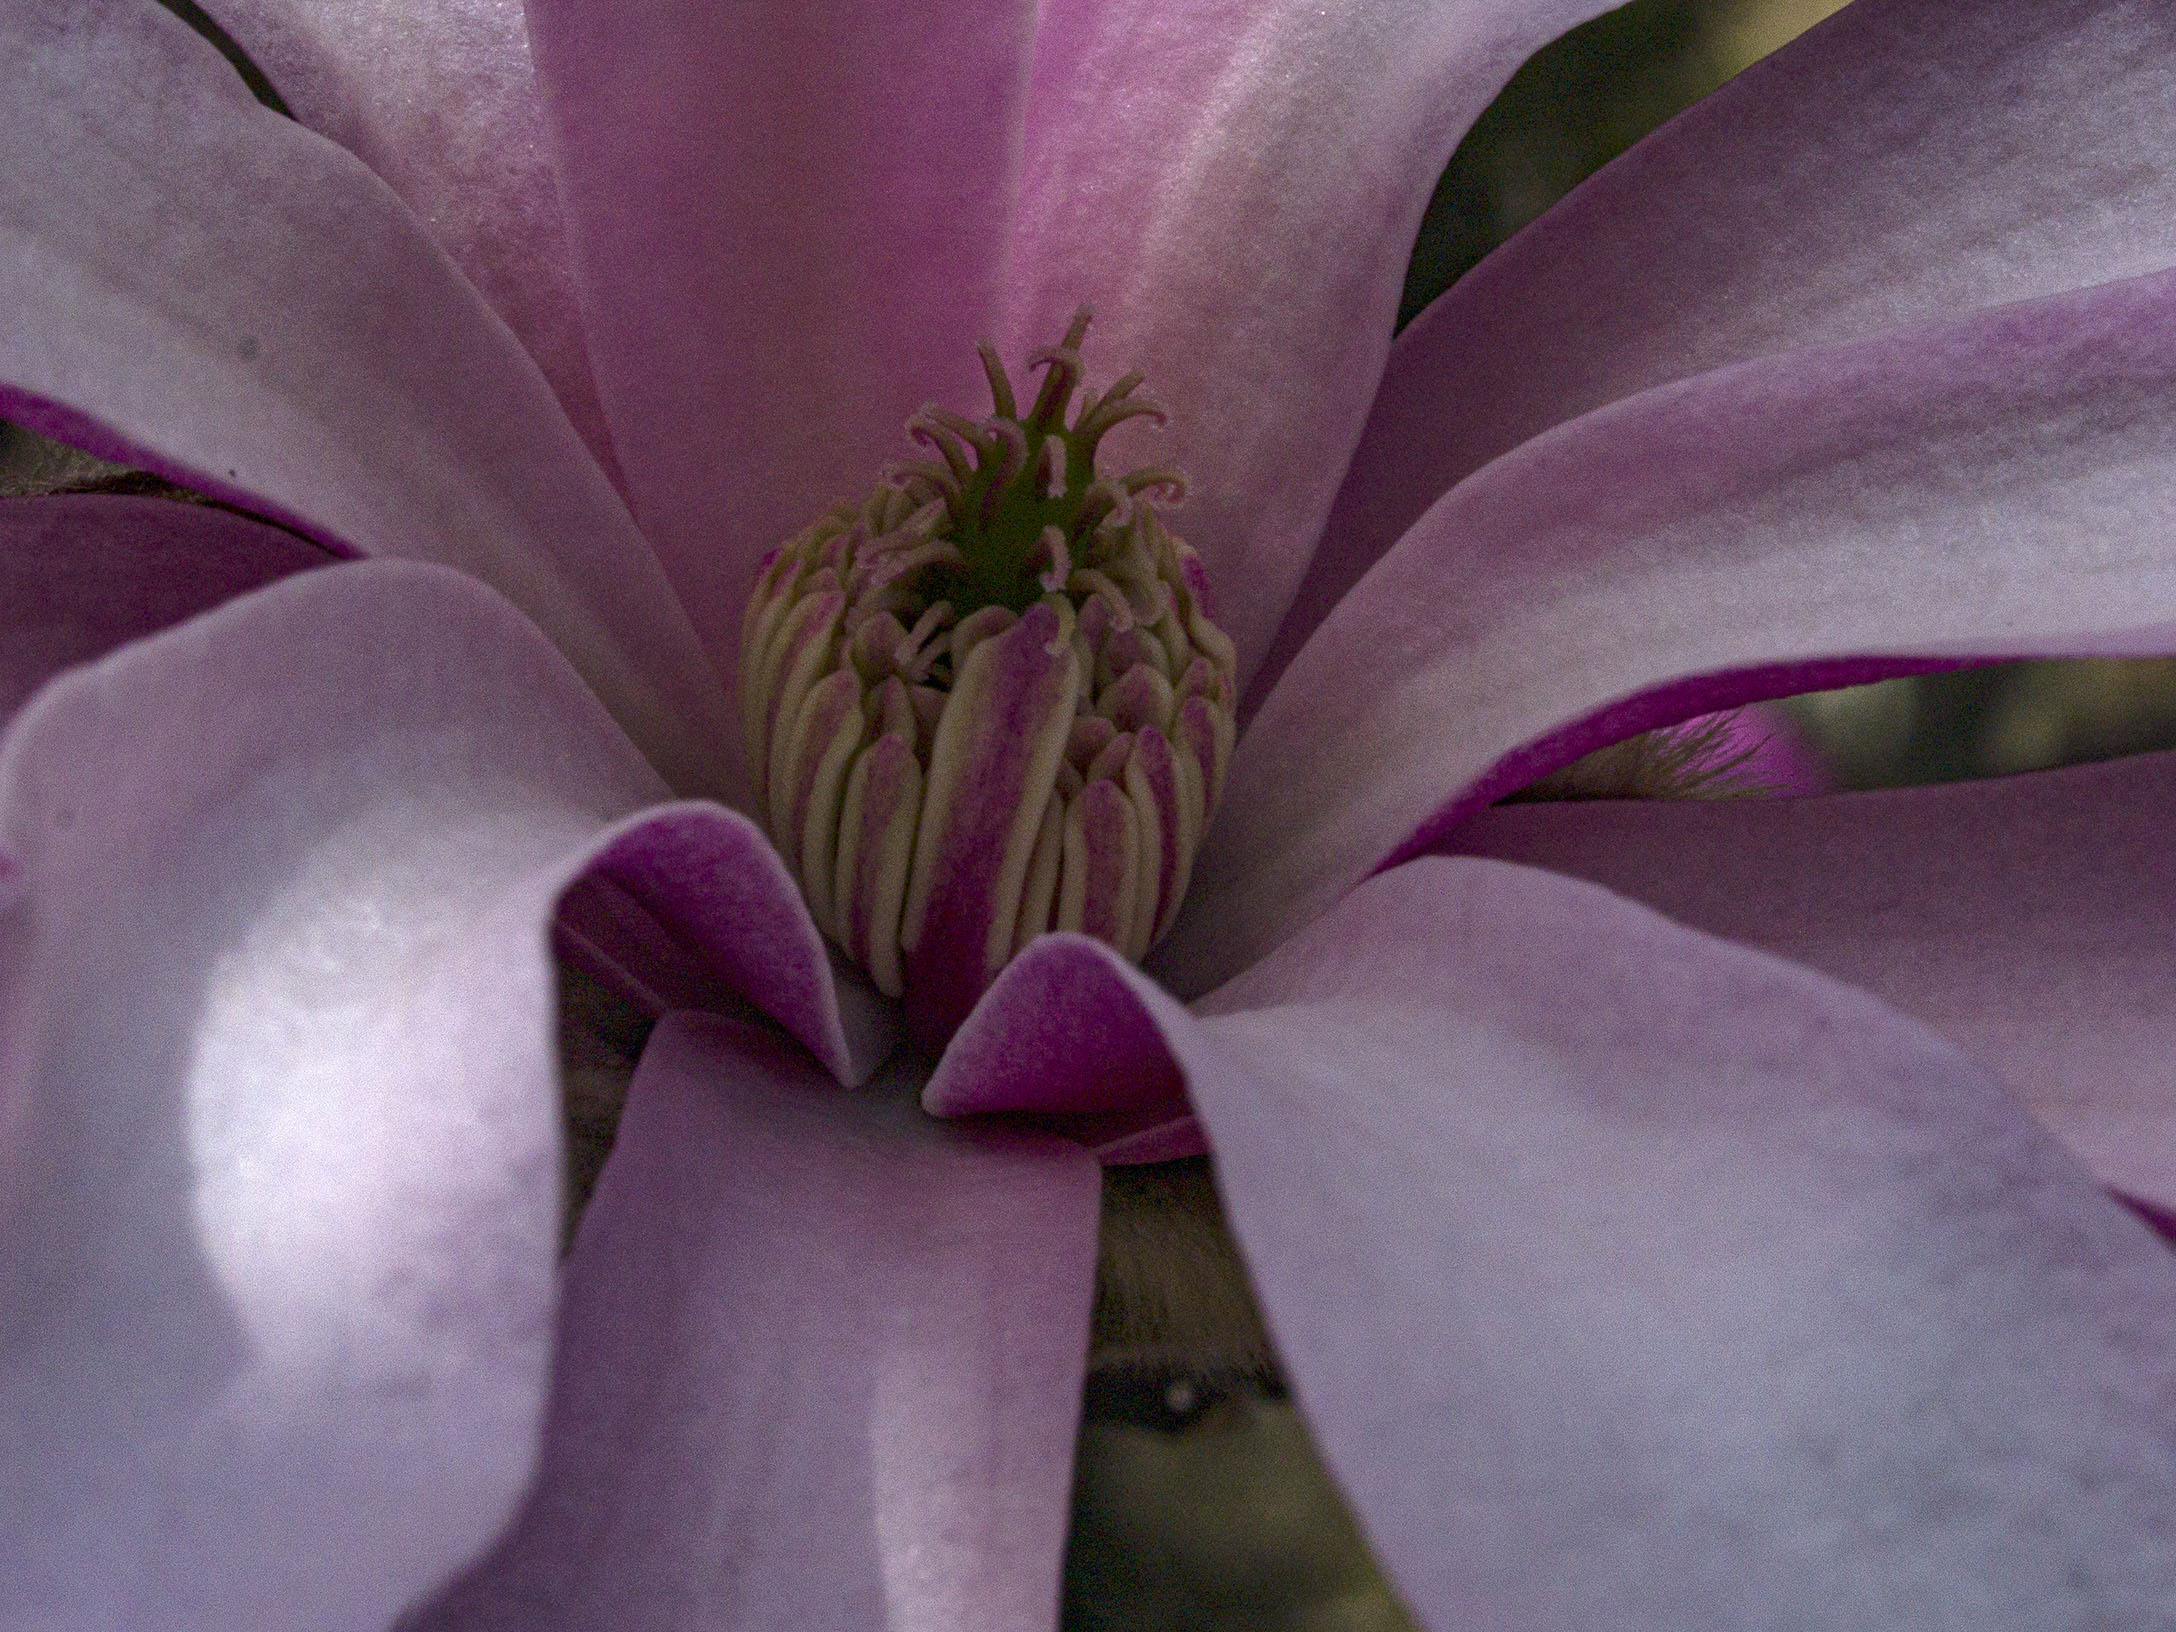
(990, 700)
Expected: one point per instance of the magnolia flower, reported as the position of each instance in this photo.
(1745, 1262)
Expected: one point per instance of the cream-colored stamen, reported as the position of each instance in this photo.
(990, 700)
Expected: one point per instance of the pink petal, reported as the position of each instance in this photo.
(819, 1366)
(223, 297)
(720, 913)
(788, 222)
(279, 1121)
(280, 1164)
(441, 101)
(1234, 185)
(2029, 920)
(1059, 1033)
(1997, 485)
(1062, 1037)
(1766, 751)
(991, 765)
(1630, 1278)
(1904, 162)
(80, 576)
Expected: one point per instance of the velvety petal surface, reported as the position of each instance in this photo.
(280, 1165)
(1906, 161)
(819, 1365)
(1999, 485)
(688, 906)
(788, 224)
(1234, 186)
(224, 297)
(1631, 1278)
(81, 576)
(1055, 1035)
(2030, 920)
(1060, 1038)
(441, 101)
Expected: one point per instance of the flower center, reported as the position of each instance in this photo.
(989, 700)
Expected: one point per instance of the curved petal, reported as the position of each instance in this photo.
(279, 1124)
(1057, 1034)
(820, 1366)
(1904, 162)
(1061, 1038)
(699, 907)
(1630, 1278)
(228, 299)
(787, 223)
(2029, 920)
(280, 1164)
(1767, 751)
(2001, 485)
(1234, 185)
(81, 576)
(441, 101)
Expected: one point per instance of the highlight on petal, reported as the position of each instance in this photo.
(1902, 163)
(441, 101)
(788, 225)
(81, 576)
(281, 1168)
(227, 299)
(820, 1363)
(2029, 920)
(1187, 162)
(1996, 486)
(1632, 1278)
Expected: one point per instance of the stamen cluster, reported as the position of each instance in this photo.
(989, 700)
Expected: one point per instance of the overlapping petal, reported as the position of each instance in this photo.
(788, 223)
(1626, 1275)
(81, 576)
(281, 1158)
(1902, 163)
(1998, 485)
(819, 1365)
(1235, 187)
(1633, 1278)
(2028, 920)
(222, 296)
(279, 1119)
(441, 101)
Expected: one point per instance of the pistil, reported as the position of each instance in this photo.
(989, 700)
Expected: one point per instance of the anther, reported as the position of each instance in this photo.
(990, 700)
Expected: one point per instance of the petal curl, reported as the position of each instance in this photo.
(1061, 1038)
(2001, 485)
(441, 101)
(223, 297)
(1190, 166)
(279, 1122)
(2028, 919)
(819, 1366)
(1901, 163)
(80, 576)
(1055, 1035)
(689, 905)
(788, 222)
(280, 1161)
(1629, 1278)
